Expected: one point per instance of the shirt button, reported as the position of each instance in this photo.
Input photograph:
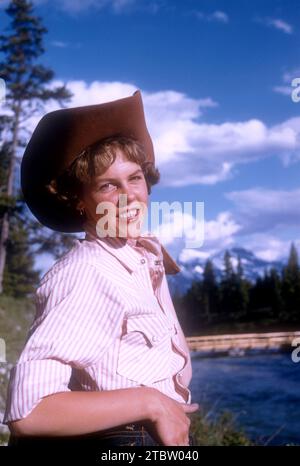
(154, 338)
(143, 261)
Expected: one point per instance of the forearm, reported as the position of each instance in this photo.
(75, 413)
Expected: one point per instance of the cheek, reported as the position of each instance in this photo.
(146, 195)
(109, 201)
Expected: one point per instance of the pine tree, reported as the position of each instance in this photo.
(28, 89)
(227, 284)
(275, 294)
(234, 290)
(242, 290)
(228, 268)
(192, 303)
(20, 277)
(291, 285)
(210, 291)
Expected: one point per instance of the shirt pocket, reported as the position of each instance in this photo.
(145, 349)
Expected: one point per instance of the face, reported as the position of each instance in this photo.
(121, 188)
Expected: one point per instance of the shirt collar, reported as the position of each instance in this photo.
(122, 249)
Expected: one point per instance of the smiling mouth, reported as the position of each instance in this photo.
(130, 215)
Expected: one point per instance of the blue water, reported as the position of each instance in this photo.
(262, 391)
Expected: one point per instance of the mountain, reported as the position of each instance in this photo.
(192, 267)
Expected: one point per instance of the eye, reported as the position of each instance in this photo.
(137, 177)
(104, 186)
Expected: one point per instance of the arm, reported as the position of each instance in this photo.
(75, 413)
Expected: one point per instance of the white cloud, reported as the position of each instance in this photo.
(117, 6)
(287, 78)
(208, 153)
(221, 230)
(59, 44)
(188, 255)
(277, 23)
(220, 16)
(281, 25)
(182, 230)
(79, 5)
(261, 209)
(269, 247)
(284, 90)
(216, 16)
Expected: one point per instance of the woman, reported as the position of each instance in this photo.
(105, 359)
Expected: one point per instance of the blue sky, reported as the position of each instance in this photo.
(215, 77)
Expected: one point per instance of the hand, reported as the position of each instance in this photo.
(169, 424)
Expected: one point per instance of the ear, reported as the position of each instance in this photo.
(80, 205)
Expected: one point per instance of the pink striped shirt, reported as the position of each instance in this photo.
(104, 320)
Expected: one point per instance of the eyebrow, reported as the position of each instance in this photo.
(139, 170)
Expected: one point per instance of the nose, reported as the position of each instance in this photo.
(127, 195)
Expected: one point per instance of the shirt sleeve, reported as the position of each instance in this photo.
(79, 315)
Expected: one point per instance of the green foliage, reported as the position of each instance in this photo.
(4, 437)
(220, 432)
(16, 316)
(20, 277)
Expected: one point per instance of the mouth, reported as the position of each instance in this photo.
(130, 215)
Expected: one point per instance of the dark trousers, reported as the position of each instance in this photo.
(127, 435)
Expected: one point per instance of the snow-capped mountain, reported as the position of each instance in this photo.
(192, 267)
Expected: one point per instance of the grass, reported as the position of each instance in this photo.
(16, 316)
(220, 432)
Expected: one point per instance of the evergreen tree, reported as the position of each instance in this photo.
(20, 259)
(275, 294)
(210, 291)
(28, 89)
(242, 290)
(234, 290)
(193, 305)
(291, 285)
(227, 286)
(228, 268)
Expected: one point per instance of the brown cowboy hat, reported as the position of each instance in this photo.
(60, 137)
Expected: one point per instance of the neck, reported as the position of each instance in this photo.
(90, 227)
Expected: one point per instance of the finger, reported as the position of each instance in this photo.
(191, 408)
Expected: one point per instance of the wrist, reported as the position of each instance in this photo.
(152, 404)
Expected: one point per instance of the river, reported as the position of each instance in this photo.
(261, 390)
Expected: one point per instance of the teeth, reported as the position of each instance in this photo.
(129, 214)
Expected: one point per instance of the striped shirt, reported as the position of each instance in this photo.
(104, 320)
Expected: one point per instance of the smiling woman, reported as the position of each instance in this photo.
(105, 360)
(100, 175)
